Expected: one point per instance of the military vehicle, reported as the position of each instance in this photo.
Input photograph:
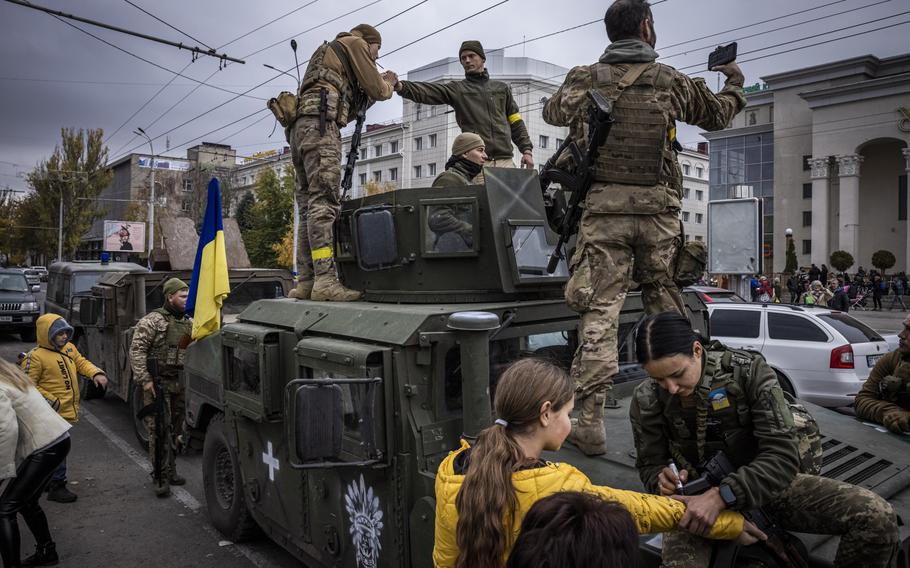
(325, 423)
(114, 296)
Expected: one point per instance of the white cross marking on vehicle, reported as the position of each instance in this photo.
(271, 461)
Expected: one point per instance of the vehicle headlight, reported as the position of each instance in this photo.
(30, 306)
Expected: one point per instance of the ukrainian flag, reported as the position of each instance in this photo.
(209, 285)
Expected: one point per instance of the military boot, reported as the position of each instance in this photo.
(45, 555)
(588, 432)
(161, 487)
(302, 291)
(176, 479)
(327, 287)
(58, 492)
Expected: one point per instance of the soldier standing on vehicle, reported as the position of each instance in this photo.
(703, 399)
(164, 334)
(482, 106)
(341, 80)
(885, 396)
(630, 229)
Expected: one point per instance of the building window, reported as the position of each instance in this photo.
(807, 246)
(687, 192)
(699, 171)
(699, 217)
(187, 185)
(363, 179)
(544, 141)
(753, 118)
(806, 166)
(699, 195)
(417, 112)
(559, 142)
(807, 218)
(688, 238)
(685, 216)
(377, 176)
(686, 168)
(902, 198)
(418, 143)
(432, 140)
(377, 150)
(418, 171)
(393, 146)
(699, 238)
(184, 205)
(393, 174)
(431, 169)
(807, 191)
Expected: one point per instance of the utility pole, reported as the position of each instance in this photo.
(151, 215)
(60, 228)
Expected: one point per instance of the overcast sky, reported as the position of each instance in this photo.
(52, 75)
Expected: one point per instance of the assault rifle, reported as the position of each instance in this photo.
(600, 120)
(156, 409)
(348, 180)
(784, 548)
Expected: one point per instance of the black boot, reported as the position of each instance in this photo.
(59, 493)
(45, 555)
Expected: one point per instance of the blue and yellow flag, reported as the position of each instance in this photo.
(209, 286)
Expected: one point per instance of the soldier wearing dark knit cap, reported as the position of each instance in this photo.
(465, 163)
(500, 125)
(164, 335)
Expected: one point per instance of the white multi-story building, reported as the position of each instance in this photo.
(694, 164)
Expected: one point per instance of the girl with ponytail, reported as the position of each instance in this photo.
(483, 492)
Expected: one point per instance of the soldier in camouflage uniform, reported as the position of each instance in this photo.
(482, 105)
(164, 334)
(702, 399)
(885, 396)
(340, 81)
(630, 230)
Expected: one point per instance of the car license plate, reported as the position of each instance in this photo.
(6, 318)
(26, 319)
(871, 360)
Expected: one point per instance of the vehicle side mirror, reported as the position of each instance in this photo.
(36, 289)
(89, 310)
(319, 422)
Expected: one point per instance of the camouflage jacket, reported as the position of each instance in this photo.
(686, 100)
(482, 106)
(746, 415)
(150, 337)
(887, 388)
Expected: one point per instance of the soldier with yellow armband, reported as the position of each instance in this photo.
(482, 106)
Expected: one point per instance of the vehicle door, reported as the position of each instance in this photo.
(737, 328)
(801, 348)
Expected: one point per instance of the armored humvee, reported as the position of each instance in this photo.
(325, 423)
(103, 301)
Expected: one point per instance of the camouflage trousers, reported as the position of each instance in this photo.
(865, 522)
(174, 414)
(317, 161)
(501, 163)
(612, 251)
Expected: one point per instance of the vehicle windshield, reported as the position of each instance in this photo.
(13, 283)
(83, 282)
(853, 330)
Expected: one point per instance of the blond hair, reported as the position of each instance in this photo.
(13, 375)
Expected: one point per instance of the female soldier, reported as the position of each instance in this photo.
(483, 492)
(704, 398)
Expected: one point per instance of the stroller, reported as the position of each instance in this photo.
(858, 302)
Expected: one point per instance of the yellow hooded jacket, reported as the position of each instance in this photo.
(652, 513)
(55, 372)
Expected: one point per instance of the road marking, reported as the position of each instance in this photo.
(180, 494)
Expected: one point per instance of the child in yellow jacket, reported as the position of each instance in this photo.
(54, 366)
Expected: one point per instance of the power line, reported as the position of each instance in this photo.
(406, 10)
(270, 22)
(58, 14)
(178, 30)
(453, 24)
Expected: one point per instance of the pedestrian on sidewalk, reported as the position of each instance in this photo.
(54, 367)
(897, 297)
(34, 440)
(879, 287)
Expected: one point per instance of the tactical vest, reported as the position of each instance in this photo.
(170, 352)
(638, 150)
(724, 420)
(895, 388)
(341, 104)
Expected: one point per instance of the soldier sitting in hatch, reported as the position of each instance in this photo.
(885, 396)
(451, 224)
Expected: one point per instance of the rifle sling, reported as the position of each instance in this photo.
(349, 71)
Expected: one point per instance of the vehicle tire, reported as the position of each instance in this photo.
(785, 383)
(223, 484)
(28, 335)
(134, 401)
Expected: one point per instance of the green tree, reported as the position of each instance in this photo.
(244, 214)
(791, 257)
(841, 260)
(883, 260)
(73, 177)
(270, 217)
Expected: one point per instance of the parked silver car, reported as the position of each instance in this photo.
(820, 355)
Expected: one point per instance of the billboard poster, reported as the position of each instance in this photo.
(734, 236)
(124, 236)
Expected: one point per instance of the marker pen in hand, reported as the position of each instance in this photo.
(675, 470)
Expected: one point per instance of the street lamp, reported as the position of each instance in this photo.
(151, 215)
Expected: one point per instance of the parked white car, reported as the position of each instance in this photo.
(820, 355)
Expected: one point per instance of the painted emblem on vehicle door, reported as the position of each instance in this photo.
(365, 517)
